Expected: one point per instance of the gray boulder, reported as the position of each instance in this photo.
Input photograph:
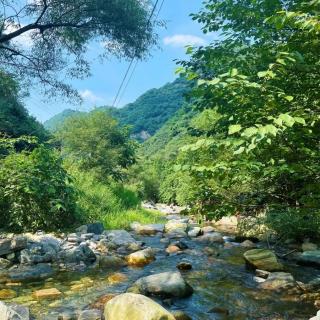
(77, 254)
(31, 273)
(166, 284)
(13, 312)
(310, 258)
(119, 238)
(96, 228)
(8, 246)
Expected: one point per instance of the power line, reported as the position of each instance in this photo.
(132, 60)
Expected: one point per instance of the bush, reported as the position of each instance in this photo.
(35, 192)
(294, 223)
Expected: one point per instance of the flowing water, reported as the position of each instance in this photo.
(221, 284)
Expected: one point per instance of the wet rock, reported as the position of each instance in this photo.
(166, 284)
(7, 294)
(310, 258)
(207, 229)
(180, 315)
(111, 262)
(8, 246)
(13, 312)
(30, 273)
(129, 306)
(119, 238)
(141, 258)
(101, 302)
(176, 234)
(74, 238)
(81, 253)
(279, 281)
(262, 259)
(52, 293)
(90, 315)
(180, 244)
(309, 246)
(95, 228)
(194, 232)
(37, 253)
(117, 278)
(248, 244)
(211, 238)
(211, 251)
(184, 265)
(4, 263)
(171, 249)
(262, 273)
(220, 311)
(317, 317)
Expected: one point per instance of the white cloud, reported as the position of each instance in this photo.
(182, 40)
(89, 97)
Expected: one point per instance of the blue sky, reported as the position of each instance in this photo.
(101, 87)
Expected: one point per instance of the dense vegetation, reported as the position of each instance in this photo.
(146, 115)
(246, 141)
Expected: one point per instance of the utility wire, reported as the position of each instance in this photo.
(132, 60)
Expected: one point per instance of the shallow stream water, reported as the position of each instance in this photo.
(221, 284)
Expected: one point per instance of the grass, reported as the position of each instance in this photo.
(123, 219)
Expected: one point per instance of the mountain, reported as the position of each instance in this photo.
(146, 115)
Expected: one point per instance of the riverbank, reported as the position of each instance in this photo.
(192, 271)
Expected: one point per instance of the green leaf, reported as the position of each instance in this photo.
(300, 120)
(233, 72)
(234, 128)
(249, 132)
(214, 81)
(240, 150)
(289, 98)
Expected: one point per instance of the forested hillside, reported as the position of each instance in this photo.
(146, 115)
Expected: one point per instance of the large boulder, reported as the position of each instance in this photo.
(130, 306)
(148, 229)
(13, 312)
(8, 246)
(262, 259)
(31, 273)
(111, 262)
(166, 284)
(310, 258)
(95, 228)
(141, 258)
(77, 254)
(175, 226)
(279, 281)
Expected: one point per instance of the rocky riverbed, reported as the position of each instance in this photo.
(176, 270)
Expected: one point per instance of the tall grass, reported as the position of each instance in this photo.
(114, 204)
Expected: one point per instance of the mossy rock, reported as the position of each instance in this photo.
(262, 259)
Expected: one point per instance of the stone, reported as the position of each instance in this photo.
(194, 232)
(184, 265)
(38, 253)
(111, 262)
(180, 244)
(95, 228)
(262, 273)
(117, 278)
(211, 238)
(180, 315)
(130, 306)
(175, 226)
(220, 311)
(248, 244)
(262, 259)
(227, 224)
(150, 229)
(4, 263)
(207, 229)
(310, 258)
(309, 246)
(317, 317)
(30, 273)
(211, 251)
(8, 246)
(90, 315)
(52, 293)
(278, 281)
(166, 285)
(141, 258)
(101, 302)
(77, 254)
(171, 249)
(7, 294)
(13, 312)
(119, 237)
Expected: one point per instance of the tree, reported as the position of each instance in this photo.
(96, 142)
(39, 40)
(14, 118)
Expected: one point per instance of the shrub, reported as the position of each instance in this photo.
(35, 192)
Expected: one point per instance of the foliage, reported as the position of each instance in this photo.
(59, 32)
(14, 118)
(36, 193)
(261, 80)
(96, 142)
